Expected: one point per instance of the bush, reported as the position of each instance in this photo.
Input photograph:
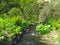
(48, 10)
(54, 23)
(9, 27)
(14, 11)
(43, 29)
(20, 22)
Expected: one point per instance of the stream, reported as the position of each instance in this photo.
(30, 38)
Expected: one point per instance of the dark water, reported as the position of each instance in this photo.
(30, 39)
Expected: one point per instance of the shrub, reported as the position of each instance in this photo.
(9, 27)
(54, 23)
(14, 11)
(48, 10)
(43, 29)
(20, 22)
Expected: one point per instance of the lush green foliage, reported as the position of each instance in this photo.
(17, 7)
(9, 27)
(49, 10)
(51, 24)
(54, 23)
(14, 11)
(43, 29)
(17, 15)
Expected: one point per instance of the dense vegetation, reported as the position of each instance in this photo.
(16, 16)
